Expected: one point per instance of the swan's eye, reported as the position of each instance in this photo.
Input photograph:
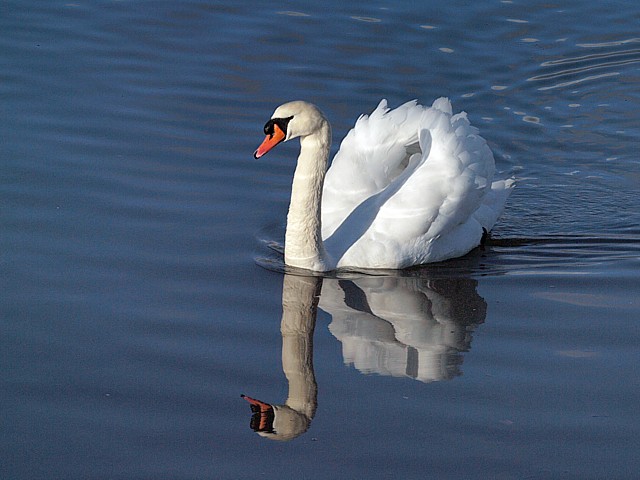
(268, 127)
(280, 122)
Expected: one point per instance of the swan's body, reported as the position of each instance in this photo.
(408, 186)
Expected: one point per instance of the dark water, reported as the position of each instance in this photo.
(135, 305)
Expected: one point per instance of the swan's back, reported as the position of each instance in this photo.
(409, 186)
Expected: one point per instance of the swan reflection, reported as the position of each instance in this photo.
(404, 326)
(399, 326)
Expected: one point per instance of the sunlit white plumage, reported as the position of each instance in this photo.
(409, 186)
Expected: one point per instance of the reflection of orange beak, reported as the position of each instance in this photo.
(263, 415)
(269, 142)
(257, 403)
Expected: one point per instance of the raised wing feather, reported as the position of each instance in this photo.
(389, 204)
(369, 159)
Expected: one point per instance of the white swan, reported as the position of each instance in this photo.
(408, 186)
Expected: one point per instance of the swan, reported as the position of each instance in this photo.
(408, 186)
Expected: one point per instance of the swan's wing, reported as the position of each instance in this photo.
(370, 157)
(448, 183)
(428, 212)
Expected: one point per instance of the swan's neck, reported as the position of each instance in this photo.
(303, 246)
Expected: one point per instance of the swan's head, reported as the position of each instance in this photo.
(291, 120)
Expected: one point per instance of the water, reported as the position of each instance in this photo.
(135, 226)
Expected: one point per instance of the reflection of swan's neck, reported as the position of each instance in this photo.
(299, 309)
(300, 297)
(303, 240)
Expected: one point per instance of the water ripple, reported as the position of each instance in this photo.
(609, 44)
(595, 56)
(584, 64)
(580, 80)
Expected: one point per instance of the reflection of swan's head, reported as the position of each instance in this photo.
(291, 120)
(276, 422)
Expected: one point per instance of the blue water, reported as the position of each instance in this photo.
(140, 295)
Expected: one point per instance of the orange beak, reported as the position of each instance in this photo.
(270, 141)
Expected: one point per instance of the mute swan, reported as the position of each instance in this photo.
(409, 186)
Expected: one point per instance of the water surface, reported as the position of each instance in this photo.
(135, 231)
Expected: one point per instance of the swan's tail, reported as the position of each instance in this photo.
(494, 201)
